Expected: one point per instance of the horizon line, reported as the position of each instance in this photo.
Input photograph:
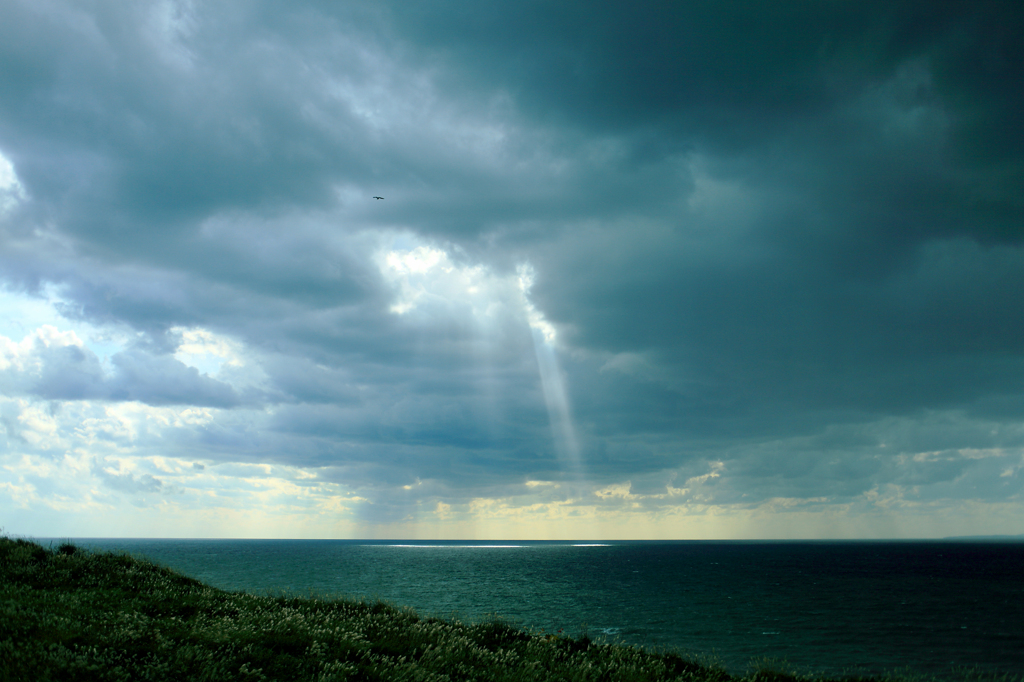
(577, 541)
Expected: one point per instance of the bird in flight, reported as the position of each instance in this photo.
(378, 197)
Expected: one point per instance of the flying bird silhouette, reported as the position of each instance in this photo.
(378, 197)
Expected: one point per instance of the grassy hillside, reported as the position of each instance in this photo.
(69, 614)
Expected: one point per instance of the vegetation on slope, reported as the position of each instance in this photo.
(70, 614)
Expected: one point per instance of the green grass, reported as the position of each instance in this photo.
(70, 614)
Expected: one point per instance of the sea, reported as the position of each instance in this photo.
(927, 607)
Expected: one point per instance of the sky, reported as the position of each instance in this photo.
(651, 270)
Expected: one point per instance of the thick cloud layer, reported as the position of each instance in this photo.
(707, 269)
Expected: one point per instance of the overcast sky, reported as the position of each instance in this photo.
(659, 270)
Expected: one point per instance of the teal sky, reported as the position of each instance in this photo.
(667, 270)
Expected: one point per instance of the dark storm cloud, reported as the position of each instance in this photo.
(763, 231)
(875, 265)
(731, 72)
(165, 130)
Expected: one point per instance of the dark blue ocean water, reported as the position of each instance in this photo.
(823, 606)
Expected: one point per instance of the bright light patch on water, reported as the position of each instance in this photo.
(453, 546)
(456, 544)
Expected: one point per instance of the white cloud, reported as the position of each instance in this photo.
(206, 350)
(621, 490)
(426, 278)
(12, 192)
(169, 25)
(525, 275)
